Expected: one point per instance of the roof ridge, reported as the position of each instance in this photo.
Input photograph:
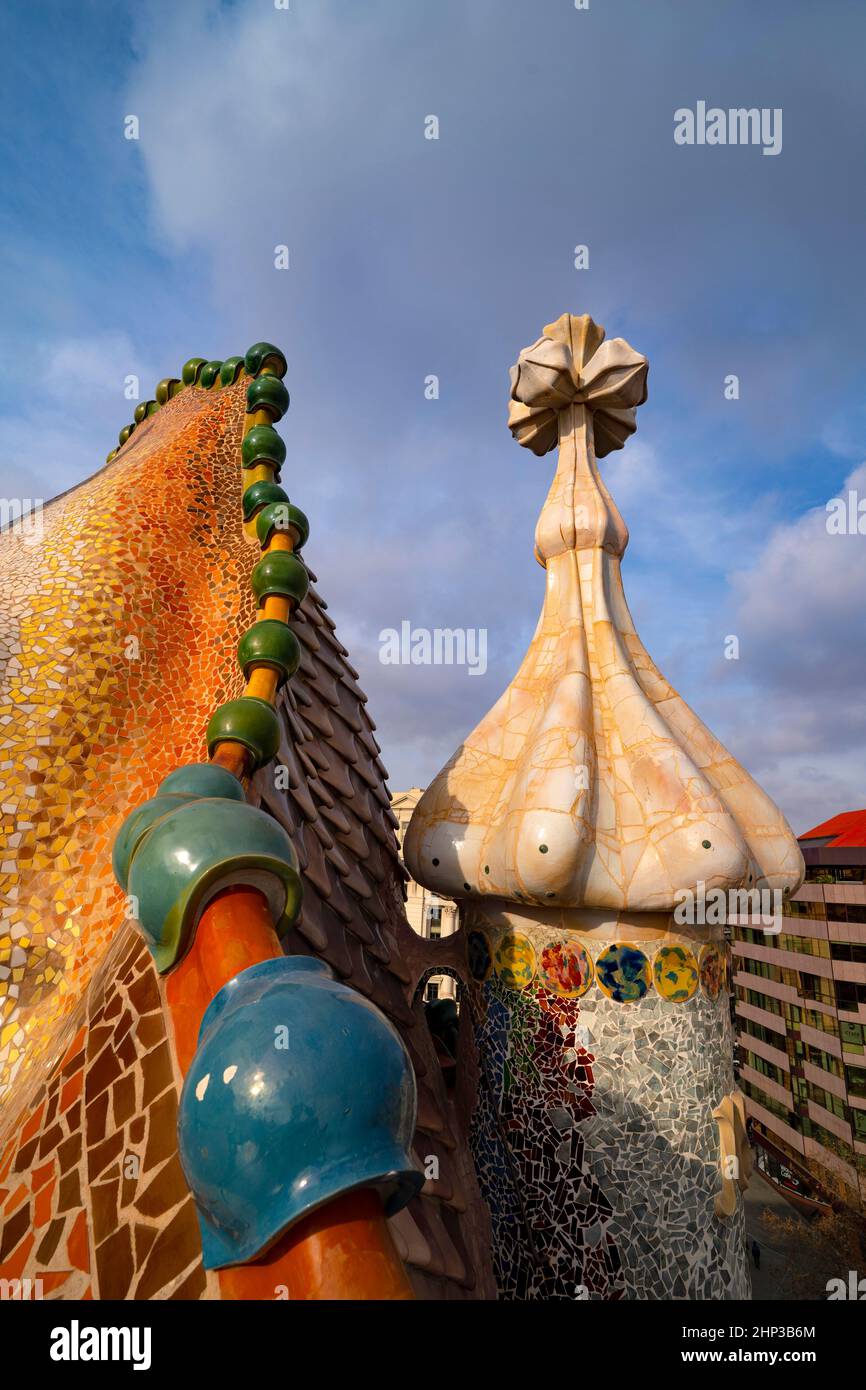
(210, 375)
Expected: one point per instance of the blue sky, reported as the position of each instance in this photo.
(408, 257)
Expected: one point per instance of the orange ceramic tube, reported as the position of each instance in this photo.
(262, 683)
(341, 1251)
(234, 757)
(344, 1249)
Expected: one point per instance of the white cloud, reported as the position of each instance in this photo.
(793, 705)
(260, 126)
(48, 445)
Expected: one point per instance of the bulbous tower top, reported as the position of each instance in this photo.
(590, 783)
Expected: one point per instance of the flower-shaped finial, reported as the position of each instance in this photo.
(570, 364)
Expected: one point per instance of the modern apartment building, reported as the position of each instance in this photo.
(427, 913)
(801, 1020)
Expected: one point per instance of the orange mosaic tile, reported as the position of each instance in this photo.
(76, 1244)
(112, 668)
(71, 1091)
(43, 1205)
(21, 1192)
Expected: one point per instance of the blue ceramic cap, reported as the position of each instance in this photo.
(244, 988)
(300, 1091)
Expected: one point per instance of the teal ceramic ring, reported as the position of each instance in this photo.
(193, 853)
(262, 1141)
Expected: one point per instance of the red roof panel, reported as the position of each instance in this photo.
(847, 830)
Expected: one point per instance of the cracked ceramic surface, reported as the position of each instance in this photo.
(591, 784)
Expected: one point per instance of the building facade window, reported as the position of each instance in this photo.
(760, 1064)
(856, 1079)
(794, 908)
(849, 950)
(827, 1100)
(768, 1102)
(759, 1001)
(824, 1062)
(822, 1136)
(765, 1035)
(821, 1022)
(434, 923)
(815, 987)
(849, 994)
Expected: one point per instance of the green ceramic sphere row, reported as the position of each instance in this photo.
(249, 721)
(265, 357)
(267, 393)
(271, 643)
(259, 495)
(282, 516)
(263, 445)
(143, 410)
(191, 370)
(168, 387)
(209, 374)
(280, 573)
(198, 371)
(231, 370)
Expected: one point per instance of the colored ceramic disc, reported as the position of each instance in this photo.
(515, 961)
(566, 968)
(480, 955)
(712, 970)
(623, 973)
(675, 972)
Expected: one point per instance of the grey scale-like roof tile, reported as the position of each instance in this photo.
(338, 814)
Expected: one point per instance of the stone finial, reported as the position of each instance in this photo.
(591, 784)
(570, 364)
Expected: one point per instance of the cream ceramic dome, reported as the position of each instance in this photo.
(591, 784)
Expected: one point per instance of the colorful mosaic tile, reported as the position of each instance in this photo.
(111, 668)
(550, 1218)
(593, 1132)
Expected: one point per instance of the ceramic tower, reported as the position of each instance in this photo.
(582, 826)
